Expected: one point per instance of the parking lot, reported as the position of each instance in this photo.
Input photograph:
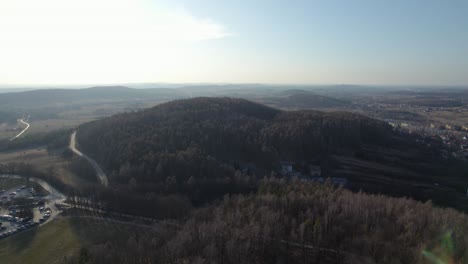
(22, 208)
(11, 226)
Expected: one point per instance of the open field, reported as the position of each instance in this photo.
(43, 126)
(44, 162)
(54, 241)
(9, 131)
(456, 117)
(38, 157)
(63, 121)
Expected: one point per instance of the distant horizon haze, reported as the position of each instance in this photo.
(163, 85)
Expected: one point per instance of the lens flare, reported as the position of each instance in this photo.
(442, 252)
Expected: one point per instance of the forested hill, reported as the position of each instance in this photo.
(301, 99)
(208, 138)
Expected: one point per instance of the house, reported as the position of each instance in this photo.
(340, 181)
(315, 171)
(317, 179)
(247, 167)
(286, 167)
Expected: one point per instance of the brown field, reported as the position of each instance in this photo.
(45, 162)
(6, 131)
(43, 126)
(449, 117)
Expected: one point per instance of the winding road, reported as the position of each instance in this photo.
(22, 131)
(99, 172)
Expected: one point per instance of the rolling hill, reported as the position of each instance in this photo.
(213, 143)
(301, 99)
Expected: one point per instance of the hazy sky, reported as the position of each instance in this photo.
(305, 42)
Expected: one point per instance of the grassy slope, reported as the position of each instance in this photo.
(48, 244)
(58, 239)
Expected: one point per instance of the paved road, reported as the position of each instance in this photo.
(99, 172)
(22, 131)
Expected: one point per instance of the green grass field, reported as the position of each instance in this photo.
(58, 239)
(44, 126)
(47, 244)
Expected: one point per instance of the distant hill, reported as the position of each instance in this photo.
(65, 97)
(226, 129)
(207, 141)
(301, 99)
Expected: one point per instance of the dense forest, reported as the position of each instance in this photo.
(298, 222)
(206, 147)
(218, 145)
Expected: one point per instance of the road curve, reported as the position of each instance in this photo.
(99, 172)
(22, 131)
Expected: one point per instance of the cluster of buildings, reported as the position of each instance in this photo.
(453, 137)
(313, 173)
